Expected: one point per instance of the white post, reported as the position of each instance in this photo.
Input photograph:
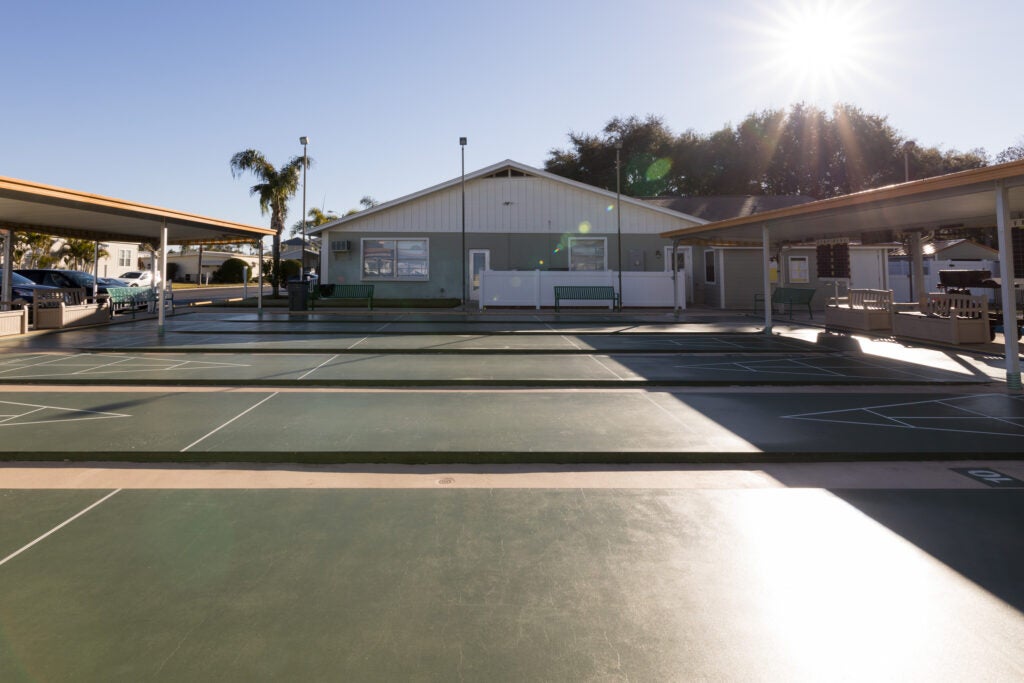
(259, 291)
(920, 292)
(5, 287)
(1007, 292)
(536, 288)
(766, 280)
(163, 278)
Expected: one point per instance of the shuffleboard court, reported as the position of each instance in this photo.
(488, 425)
(485, 584)
(351, 369)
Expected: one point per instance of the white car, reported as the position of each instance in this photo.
(138, 278)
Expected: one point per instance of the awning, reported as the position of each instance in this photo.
(31, 207)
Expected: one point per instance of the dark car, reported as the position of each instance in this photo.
(54, 277)
(23, 290)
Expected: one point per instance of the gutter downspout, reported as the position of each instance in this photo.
(1007, 292)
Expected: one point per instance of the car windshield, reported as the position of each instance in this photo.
(132, 276)
(79, 278)
(18, 280)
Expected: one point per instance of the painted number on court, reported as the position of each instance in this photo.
(990, 477)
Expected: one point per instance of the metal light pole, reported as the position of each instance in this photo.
(305, 162)
(618, 211)
(465, 256)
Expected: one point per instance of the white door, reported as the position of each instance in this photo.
(684, 263)
(479, 261)
(868, 269)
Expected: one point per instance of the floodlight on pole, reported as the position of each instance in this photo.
(305, 162)
(465, 257)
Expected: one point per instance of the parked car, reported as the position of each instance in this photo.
(22, 289)
(138, 278)
(55, 277)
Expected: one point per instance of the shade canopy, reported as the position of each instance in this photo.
(966, 199)
(33, 207)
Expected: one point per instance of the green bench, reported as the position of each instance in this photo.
(586, 292)
(342, 292)
(788, 296)
(133, 298)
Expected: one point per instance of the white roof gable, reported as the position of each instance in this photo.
(456, 182)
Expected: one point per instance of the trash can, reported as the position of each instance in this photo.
(298, 295)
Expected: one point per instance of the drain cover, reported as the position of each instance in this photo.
(445, 481)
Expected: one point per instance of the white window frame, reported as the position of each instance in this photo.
(124, 258)
(604, 249)
(395, 277)
(793, 274)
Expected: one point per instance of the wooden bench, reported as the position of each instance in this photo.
(787, 296)
(948, 318)
(60, 308)
(861, 309)
(343, 292)
(586, 293)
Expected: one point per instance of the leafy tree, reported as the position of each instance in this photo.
(803, 150)
(1012, 153)
(275, 188)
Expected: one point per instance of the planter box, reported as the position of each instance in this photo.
(947, 318)
(66, 308)
(13, 322)
(867, 310)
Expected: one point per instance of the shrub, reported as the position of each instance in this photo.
(232, 270)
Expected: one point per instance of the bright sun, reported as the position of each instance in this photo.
(817, 44)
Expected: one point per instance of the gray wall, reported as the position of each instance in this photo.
(508, 252)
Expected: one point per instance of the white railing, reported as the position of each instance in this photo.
(536, 287)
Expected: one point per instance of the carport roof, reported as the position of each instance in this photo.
(966, 199)
(33, 207)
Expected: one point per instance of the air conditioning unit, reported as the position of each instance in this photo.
(341, 245)
(1017, 223)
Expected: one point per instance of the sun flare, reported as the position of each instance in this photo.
(817, 46)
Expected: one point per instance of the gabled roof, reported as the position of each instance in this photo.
(515, 167)
(939, 246)
(724, 207)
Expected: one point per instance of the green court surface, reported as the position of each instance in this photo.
(155, 553)
(503, 426)
(510, 585)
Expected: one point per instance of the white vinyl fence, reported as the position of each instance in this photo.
(536, 287)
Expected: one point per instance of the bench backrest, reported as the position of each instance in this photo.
(792, 295)
(584, 291)
(964, 305)
(870, 299)
(351, 291)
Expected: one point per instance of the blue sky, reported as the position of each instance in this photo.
(148, 101)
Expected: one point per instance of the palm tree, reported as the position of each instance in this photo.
(34, 249)
(275, 188)
(315, 217)
(78, 252)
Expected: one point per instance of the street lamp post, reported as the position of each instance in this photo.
(305, 162)
(618, 211)
(465, 257)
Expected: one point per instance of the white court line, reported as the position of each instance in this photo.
(46, 362)
(304, 376)
(229, 422)
(597, 360)
(357, 343)
(15, 417)
(57, 528)
(104, 365)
